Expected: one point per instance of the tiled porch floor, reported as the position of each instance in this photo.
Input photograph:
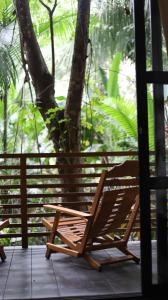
(26, 274)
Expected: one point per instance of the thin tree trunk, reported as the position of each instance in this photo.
(77, 78)
(5, 117)
(75, 90)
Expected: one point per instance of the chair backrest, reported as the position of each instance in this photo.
(114, 179)
(116, 201)
(127, 168)
(125, 174)
(114, 211)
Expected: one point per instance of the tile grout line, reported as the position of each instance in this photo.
(59, 294)
(31, 272)
(3, 293)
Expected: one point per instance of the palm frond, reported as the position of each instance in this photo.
(63, 26)
(112, 84)
(121, 114)
(7, 13)
(8, 70)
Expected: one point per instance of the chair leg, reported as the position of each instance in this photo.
(93, 262)
(50, 240)
(111, 260)
(48, 253)
(52, 234)
(2, 253)
(127, 252)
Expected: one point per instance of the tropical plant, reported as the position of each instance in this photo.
(114, 30)
(64, 24)
(119, 112)
(9, 58)
(110, 83)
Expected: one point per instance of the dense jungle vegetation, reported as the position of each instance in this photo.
(67, 76)
(105, 100)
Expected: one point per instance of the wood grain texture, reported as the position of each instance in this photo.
(111, 209)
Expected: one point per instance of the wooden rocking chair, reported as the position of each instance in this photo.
(111, 209)
(3, 224)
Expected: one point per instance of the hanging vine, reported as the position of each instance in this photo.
(50, 13)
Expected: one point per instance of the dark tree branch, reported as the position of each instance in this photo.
(54, 7)
(45, 5)
(52, 44)
(5, 119)
(37, 65)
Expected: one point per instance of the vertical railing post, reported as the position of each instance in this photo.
(160, 153)
(143, 146)
(23, 192)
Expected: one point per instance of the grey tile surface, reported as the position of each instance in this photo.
(76, 278)
(27, 274)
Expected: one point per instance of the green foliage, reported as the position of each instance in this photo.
(104, 78)
(122, 113)
(7, 14)
(150, 121)
(114, 30)
(8, 70)
(119, 115)
(108, 121)
(63, 26)
(111, 85)
(9, 49)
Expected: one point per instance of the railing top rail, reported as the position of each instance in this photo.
(65, 154)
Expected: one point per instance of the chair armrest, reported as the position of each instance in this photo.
(68, 211)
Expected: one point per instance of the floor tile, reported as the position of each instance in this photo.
(27, 274)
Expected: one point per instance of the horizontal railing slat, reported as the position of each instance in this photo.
(68, 194)
(5, 177)
(10, 196)
(11, 235)
(9, 186)
(74, 154)
(8, 216)
(70, 166)
(9, 167)
(59, 176)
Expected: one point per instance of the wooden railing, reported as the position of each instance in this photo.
(27, 181)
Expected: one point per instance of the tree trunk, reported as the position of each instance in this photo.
(66, 138)
(43, 81)
(5, 117)
(41, 78)
(75, 91)
(77, 78)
